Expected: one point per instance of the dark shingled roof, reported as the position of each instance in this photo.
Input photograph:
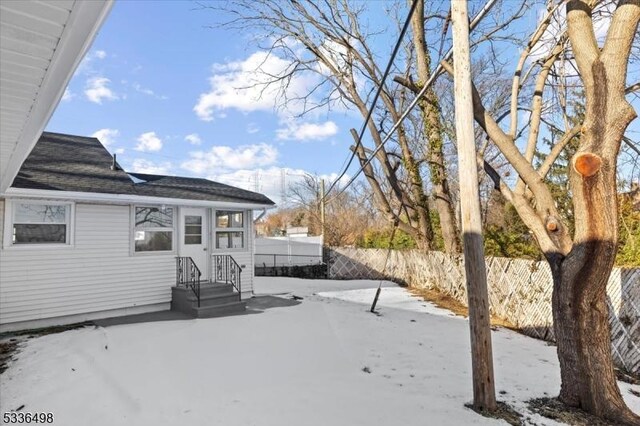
(61, 162)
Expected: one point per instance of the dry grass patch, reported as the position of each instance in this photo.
(443, 300)
(7, 350)
(553, 409)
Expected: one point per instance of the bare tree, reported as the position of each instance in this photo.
(346, 219)
(433, 132)
(580, 264)
(337, 48)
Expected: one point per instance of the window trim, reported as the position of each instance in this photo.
(9, 221)
(132, 230)
(244, 229)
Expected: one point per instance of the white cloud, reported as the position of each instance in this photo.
(146, 91)
(140, 165)
(67, 95)
(228, 158)
(86, 66)
(245, 86)
(142, 90)
(193, 139)
(253, 128)
(118, 151)
(97, 90)
(603, 13)
(336, 54)
(274, 182)
(106, 136)
(558, 25)
(149, 142)
(267, 181)
(330, 178)
(307, 131)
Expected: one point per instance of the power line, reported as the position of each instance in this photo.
(476, 20)
(377, 95)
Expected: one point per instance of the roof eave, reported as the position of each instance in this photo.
(84, 22)
(125, 198)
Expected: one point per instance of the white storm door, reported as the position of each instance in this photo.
(194, 238)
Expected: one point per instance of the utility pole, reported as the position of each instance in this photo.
(283, 187)
(484, 394)
(322, 205)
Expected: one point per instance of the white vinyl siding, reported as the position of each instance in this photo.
(98, 273)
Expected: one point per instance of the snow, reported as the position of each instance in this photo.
(396, 298)
(286, 362)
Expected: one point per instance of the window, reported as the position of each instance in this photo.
(193, 229)
(41, 223)
(153, 229)
(229, 229)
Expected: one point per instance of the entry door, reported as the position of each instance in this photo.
(194, 241)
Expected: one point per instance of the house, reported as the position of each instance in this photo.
(83, 239)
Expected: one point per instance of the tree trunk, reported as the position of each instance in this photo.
(439, 180)
(581, 325)
(433, 131)
(416, 187)
(580, 311)
(422, 236)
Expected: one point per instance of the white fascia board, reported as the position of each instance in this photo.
(83, 24)
(123, 199)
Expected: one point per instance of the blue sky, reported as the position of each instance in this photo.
(147, 70)
(159, 88)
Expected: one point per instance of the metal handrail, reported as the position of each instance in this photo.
(188, 275)
(227, 270)
(235, 275)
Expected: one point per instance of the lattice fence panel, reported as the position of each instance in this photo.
(519, 290)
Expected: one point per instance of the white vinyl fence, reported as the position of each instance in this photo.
(287, 251)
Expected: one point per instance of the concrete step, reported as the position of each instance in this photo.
(220, 310)
(217, 301)
(205, 290)
(209, 289)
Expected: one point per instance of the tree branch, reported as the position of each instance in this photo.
(583, 38)
(536, 104)
(407, 82)
(545, 207)
(633, 88)
(557, 149)
(617, 46)
(505, 143)
(515, 88)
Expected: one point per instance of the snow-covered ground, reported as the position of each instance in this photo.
(323, 360)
